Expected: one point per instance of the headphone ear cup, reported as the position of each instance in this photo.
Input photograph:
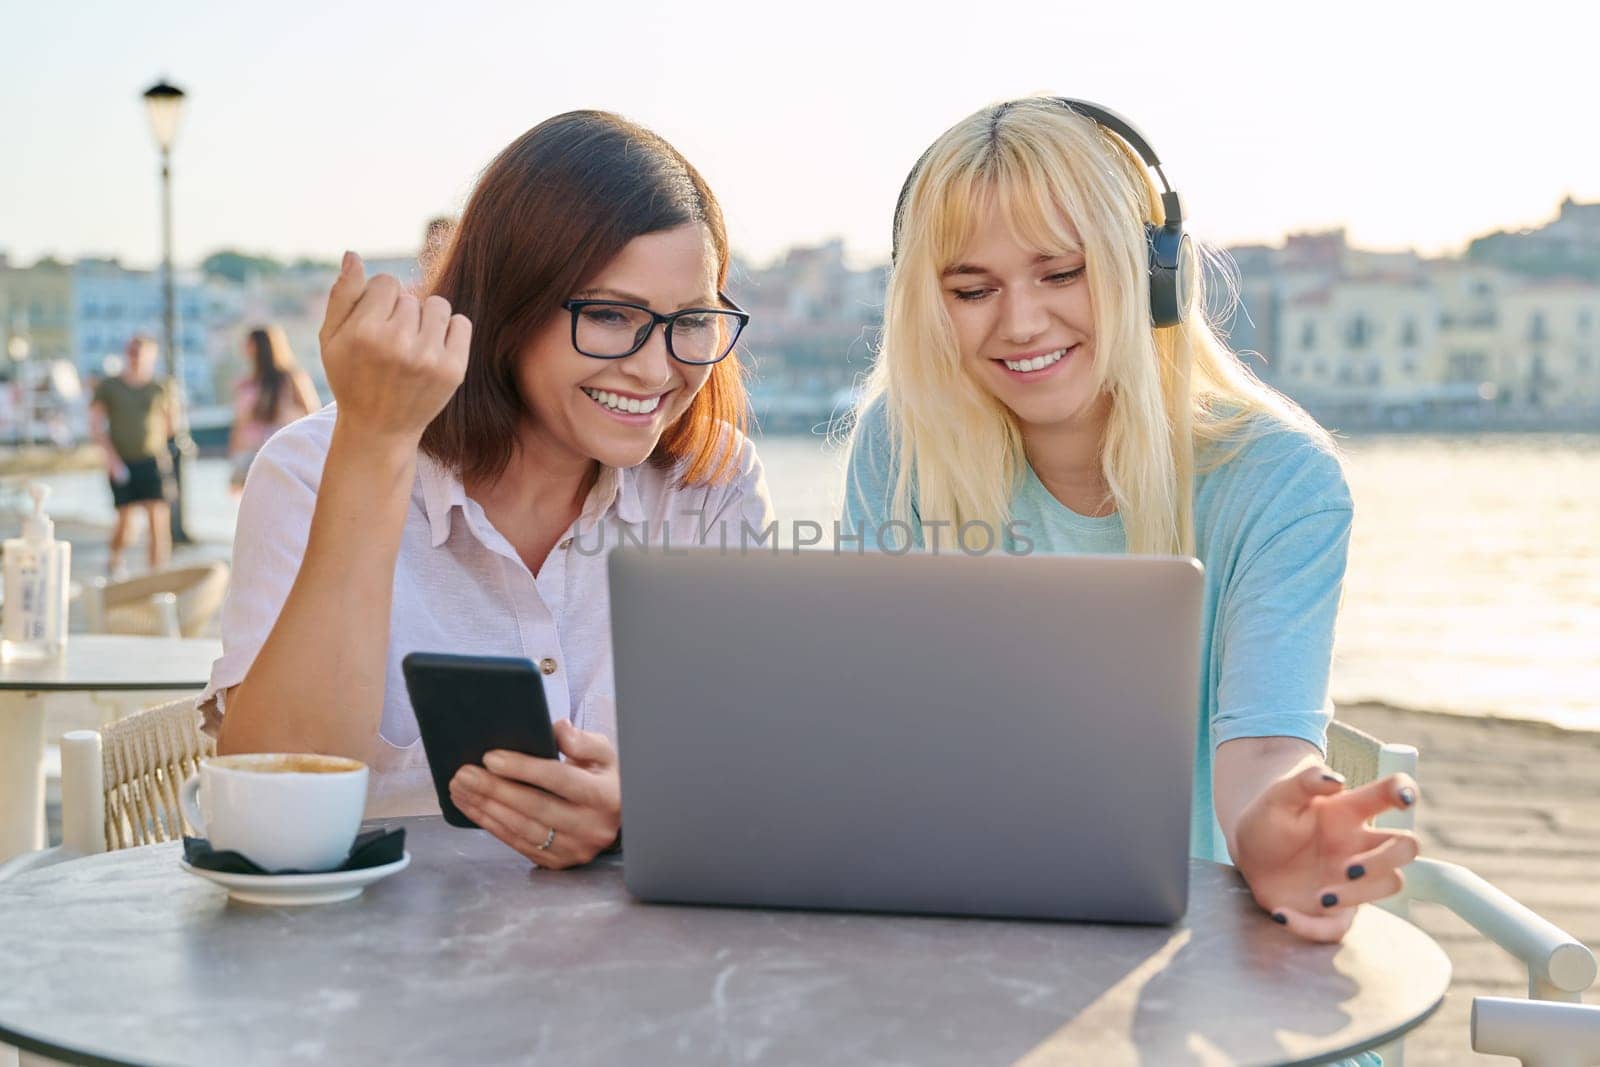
(1169, 254)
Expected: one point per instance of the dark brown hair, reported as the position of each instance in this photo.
(547, 215)
(272, 363)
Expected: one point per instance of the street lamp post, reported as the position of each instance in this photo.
(164, 106)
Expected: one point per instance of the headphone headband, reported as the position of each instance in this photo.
(1117, 124)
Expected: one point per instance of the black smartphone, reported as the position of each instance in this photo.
(469, 705)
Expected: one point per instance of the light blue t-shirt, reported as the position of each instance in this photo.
(1272, 528)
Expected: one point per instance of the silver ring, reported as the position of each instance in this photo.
(549, 840)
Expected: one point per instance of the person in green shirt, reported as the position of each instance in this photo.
(131, 420)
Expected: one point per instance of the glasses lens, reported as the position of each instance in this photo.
(704, 336)
(610, 329)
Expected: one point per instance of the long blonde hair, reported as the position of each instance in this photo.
(1175, 392)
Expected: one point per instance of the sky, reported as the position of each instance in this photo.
(315, 127)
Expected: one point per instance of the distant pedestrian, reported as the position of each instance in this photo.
(435, 242)
(131, 418)
(274, 394)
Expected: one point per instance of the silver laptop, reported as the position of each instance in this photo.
(1002, 736)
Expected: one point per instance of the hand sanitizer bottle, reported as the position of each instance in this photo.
(37, 569)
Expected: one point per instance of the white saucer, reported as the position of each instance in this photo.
(288, 890)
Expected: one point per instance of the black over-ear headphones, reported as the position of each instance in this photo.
(1169, 245)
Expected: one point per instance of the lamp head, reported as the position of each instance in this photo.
(164, 105)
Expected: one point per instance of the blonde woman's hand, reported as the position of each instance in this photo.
(1308, 850)
(520, 799)
(392, 361)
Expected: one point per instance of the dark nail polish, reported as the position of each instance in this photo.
(1408, 796)
(1332, 777)
(1280, 918)
(1355, 871)
(1329, 900)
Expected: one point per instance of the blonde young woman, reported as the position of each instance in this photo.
(1047, 373)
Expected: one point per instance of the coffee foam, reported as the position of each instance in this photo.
(286, 763)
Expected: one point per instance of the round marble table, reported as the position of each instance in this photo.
(93, 663)
(468, 956)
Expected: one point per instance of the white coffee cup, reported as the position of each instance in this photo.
(281, 811)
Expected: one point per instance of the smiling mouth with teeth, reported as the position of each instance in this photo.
(1024, 366)
(624, 404)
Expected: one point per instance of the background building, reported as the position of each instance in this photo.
(39, 399)
(110, 304)
(1567, 246)
(1508, 334)
(812, 335)
(1500, 336)
(1548, 351)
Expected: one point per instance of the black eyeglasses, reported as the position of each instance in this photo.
(612, 329)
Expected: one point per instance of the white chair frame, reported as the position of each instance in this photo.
(177, 602)
(1552, 1028)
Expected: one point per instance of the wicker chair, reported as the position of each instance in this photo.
(119, 786)
(180, 602)
(1553, 1028)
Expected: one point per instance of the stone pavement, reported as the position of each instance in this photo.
(1518, 804)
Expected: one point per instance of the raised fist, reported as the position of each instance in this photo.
(392, 361)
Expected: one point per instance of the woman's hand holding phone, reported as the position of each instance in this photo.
(521, 799)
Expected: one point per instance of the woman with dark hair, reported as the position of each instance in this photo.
(478, 433)
(274, 394)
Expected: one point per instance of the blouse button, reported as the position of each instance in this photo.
(565, 544)
(547, 665)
